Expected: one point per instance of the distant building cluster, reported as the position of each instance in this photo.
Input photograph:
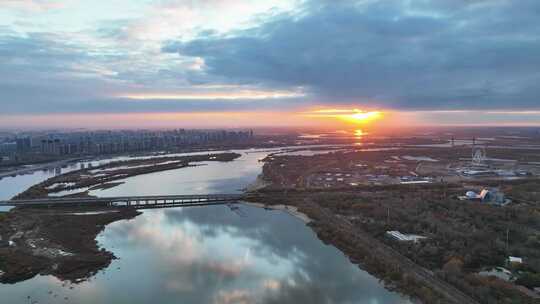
(106, 142)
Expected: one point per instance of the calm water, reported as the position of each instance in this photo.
(207, 254)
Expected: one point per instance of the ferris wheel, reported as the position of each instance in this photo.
(478, 155)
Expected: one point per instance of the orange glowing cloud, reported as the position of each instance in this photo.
(348, 115)
(160, 120)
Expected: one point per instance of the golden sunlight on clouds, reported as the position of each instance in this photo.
(364, 116)
(319, 119)
(355, 116)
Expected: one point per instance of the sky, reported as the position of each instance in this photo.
(219, 63)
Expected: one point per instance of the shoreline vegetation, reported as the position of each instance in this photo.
(360, 250)
(61, 243)
(393, 263)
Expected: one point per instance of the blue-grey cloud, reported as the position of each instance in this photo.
(438, 54)
(443, 54)
(122, 105)
(47, 73)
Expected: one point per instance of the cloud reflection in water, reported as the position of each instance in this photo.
(212, 255)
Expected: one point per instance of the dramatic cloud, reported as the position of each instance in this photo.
(105, 65)
(404, 54)
(74, 56)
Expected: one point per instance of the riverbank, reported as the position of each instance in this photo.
(21, 170)
(396, 271)
(258, 184)
(292, 210)
(61, 243)
(369, 193)
(355, 222)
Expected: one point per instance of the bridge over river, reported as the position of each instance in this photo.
(137, 202)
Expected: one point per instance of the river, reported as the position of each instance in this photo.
(205, 254)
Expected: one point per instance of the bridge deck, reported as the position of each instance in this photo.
(151, 201)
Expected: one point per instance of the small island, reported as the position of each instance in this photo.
(80, 182)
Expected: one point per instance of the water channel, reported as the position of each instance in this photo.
(205, 254)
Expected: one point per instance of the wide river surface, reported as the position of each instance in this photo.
(206, 254)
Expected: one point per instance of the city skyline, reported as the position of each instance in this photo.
(165, 64)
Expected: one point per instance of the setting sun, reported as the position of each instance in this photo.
(355, 116)
(365, 116)
(359, 133)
